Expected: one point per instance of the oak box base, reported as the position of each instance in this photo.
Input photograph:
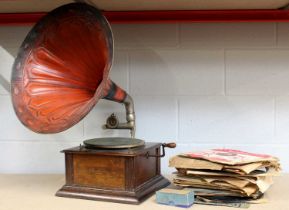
(114, 196)
(124, 176)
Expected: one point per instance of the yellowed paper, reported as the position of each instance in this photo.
(183, 162)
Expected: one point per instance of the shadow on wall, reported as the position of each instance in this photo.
(152, 85)
(11, 38)
(6, 62)
(4, 83)
(150, 74)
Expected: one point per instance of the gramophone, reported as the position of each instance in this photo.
(59, 74)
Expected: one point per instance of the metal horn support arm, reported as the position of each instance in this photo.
(112, 121)
(115, 93)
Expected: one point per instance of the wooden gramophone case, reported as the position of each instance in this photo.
(60, 73)
(126, 175)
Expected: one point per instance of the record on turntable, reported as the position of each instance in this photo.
(60, 73)
(113, 143)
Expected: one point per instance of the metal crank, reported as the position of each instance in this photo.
(168, 145)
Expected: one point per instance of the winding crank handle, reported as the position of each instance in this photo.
(169, 145)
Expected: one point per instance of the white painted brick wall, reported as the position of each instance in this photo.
(202, 85)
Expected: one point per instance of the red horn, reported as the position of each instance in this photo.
(62, 68)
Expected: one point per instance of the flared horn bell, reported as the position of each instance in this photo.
(61, 70)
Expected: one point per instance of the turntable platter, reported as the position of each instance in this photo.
(113, 143)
